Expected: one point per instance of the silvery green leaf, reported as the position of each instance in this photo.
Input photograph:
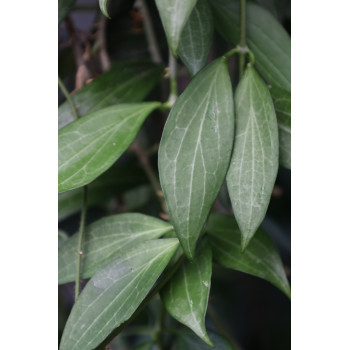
(195, 151)
(103, 7)
(62, 238)
(114, 293)
(124, 82)
(90, 145)
(106, 238)
(254, 165)
(196, 37)
(260, 259)
(282, 102)
(266, 37)
(174, 15)
(186, 295)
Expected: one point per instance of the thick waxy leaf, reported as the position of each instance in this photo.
(114, 293)
(90, 145)
(105, 238)
(260, 259)
(196, 37)
(114, 181)
(195, 151)
(186, 295)
(103, 7)
(281, 100)
(254, 164)
(64, 7)
(266, 37)
(124, 82)
(174, 15)
(187, 340)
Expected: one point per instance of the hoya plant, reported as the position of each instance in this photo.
(174, 123)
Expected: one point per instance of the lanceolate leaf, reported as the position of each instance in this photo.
(90, 145)
(114, 293)
(196, 37)
(186, 295)
(105, 238)
(64, 7)
(260, 259)
(281, 100)
(266, 37)
(124, 82)
(114, 181)
(254, 163)
(174, 15)
(195, 151)
(187, 340)
(103, 7)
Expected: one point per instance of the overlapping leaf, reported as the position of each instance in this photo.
(260, 259)
(62, 238)
(124, 82)
(114, 293)
(196, 37)
(105, 238)
(195, 151)
(266, 37)
(64, 7)
(187, 340)
(90, 145)
(186, 295)
(174, 15)
(282, 102)
(254, 164)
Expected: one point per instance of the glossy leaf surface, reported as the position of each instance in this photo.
(186, 295)
(254, 164)
(64, 7)
(105, 238)
(174, 15)
(260, 259)
(124, 82)
(188, 340)
(196, 37)
(90, 145)
(282, 102)
(195, 151)
(266, 37)
(115, 292)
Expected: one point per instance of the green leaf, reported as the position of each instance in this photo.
(124, 82)
(64, 7)
(104, 239)
(266, 37)
(260, 259)
(281, 100)
(186, 295)
(114, 293)
(187, 340)
(90, 145)
(195, 151)
(254, 164)
(114, 181)
(103, 7)
(196, 37)
(174, 15)
(62, 238)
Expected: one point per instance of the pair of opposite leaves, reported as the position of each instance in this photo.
(206, 138)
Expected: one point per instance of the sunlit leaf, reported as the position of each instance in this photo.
(195, 151)
(186, 295)
(174, 15)
(260, 259)
(124, 82)
(103, 6)
(266, 37)
(90, 145)
(254, 164)
(196, 37)
(106, 238)
(114, 293)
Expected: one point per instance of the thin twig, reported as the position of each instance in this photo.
(101, 42)
(68, 97)
(173, 79)
(242, 35)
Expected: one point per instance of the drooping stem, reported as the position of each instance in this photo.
(242, 35)
(80, 243)
(68, 98)
(150, 35)
(173, 79)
